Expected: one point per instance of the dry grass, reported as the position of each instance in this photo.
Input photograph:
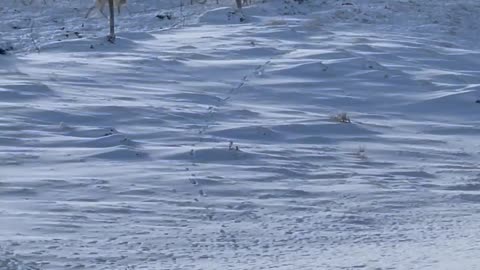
(341, 118)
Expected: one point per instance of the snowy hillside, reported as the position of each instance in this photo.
(322, 135)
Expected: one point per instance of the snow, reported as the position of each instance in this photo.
(322, 135)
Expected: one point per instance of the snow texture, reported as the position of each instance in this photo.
(315, 135)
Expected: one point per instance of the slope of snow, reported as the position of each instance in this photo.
(330, 135)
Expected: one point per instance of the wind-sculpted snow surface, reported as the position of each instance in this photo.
(307, 138)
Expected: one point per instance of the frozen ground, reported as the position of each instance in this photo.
(216, 145)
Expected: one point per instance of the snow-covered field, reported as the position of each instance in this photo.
(323, 135)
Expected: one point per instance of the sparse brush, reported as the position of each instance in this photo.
(342, 118)
(233, 147)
